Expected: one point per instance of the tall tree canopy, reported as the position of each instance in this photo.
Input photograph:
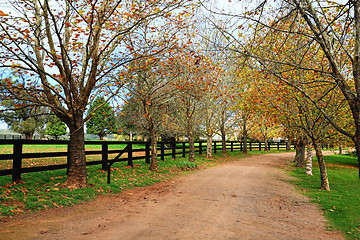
(307, 45)
(62, 54)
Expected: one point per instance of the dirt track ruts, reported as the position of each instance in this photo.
(243, 199)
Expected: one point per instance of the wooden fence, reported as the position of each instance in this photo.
(128, 154)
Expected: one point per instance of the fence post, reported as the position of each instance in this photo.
(130, 154)
(232, 146)
(104, 155)
(162, 151)
(269, 145)
(200, 148)
(17, 162)
(278, 146)
(147, 152)
(260, 146)
(241, 146)
(250, 146)
(183, 149)
(214, 146)
(173, 150)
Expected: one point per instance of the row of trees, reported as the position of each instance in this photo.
(304, 55)
(170, 69)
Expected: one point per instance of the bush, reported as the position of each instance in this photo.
(186, 165)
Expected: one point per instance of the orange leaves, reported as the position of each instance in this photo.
(130, 48)
(127, 15)
(2, 14)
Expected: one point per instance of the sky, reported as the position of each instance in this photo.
(3, 125)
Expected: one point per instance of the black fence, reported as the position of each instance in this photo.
(130, 152)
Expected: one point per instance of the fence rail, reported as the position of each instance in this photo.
(164, 149)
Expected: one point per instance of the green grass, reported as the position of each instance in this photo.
(342, 204)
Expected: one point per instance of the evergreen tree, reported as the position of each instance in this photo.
(102, 119)
(55, 127)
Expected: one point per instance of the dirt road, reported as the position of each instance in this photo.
(244, 199)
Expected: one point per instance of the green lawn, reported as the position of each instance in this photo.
(342, 204)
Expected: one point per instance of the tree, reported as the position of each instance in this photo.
(152, 89)
(151, 79)
(291, 34)
(127, 119)
(55, 127)
(192, 85)
(23, 119)
(303, 121)
(70, 52)
(227, 96)
(102, 119)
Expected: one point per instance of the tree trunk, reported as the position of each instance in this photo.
(102, 133)
(288, 146)
(266, 139)
(309, 160)
(300, 153)
(130, 136)
(340, 149)
(244, 149)
(209, 153)
(77, 177)
(356, 140)
(153, 139)
(266, 144)
(322, 166)
(28, 136)
(297, 151)
(191, 143)
(223, 139)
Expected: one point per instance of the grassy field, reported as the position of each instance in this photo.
(342, 204)
(41, 190)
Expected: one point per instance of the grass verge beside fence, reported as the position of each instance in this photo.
(40, 190)
(341, 205)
